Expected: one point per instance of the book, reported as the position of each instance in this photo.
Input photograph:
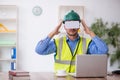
(13, 65)
(20, 77)
(13, 53)
(18, 73)
(13, 56)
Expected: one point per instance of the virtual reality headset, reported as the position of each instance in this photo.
(72, 24)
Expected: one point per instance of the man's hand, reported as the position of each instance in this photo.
(87, 30)
(56, 30)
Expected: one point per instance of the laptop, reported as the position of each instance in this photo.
(90, 66)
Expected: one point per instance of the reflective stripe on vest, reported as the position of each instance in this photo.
(65, 62)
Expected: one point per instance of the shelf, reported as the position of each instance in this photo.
(9, 31)
(8, 12)
(5, 42)
(8, 37)
(8, 45)
(8, 60)
(4, 19)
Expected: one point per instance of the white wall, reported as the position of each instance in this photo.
(33, 28)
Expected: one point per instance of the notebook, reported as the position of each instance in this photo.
(90, 66)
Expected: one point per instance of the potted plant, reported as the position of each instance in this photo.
(111, 35)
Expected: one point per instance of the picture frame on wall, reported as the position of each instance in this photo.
(65, 9)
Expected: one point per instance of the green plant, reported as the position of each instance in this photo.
(110, 33)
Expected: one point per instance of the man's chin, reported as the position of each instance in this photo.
(72, 34)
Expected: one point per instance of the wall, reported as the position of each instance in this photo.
(33, 28)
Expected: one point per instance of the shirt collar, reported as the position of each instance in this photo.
(78, 37)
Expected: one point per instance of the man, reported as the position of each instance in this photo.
(67, 47)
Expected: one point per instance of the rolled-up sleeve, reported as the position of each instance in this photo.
(98, 46)
(45, 46)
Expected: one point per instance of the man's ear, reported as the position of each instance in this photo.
(79, 30)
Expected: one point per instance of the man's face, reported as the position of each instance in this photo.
(72, 32)
(72, 27)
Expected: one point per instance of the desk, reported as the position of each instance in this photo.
(51, 76)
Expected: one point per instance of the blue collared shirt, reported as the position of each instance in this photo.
(47, 46)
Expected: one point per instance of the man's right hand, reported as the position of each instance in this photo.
(56, 30)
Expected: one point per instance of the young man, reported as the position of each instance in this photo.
(67, 47)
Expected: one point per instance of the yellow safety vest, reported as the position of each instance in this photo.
(64, 58)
